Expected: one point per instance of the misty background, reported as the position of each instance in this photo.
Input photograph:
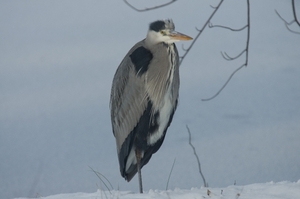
(57, 61)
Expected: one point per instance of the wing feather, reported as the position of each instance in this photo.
(127, 102)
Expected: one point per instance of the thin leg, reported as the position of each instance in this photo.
(138, 160)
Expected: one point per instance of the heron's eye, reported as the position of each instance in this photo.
(163, 32)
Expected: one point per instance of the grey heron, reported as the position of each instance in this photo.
(144, 97)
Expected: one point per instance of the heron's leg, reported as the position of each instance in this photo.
(138, 160)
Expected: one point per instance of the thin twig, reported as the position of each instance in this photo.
(294, 13)
(167, 186)
(200, 31)
(248, 33)
(291, 29)
(246, 51)
(210, 25)
(288, 23)
(148, 9)
(100, 176)
(195, 153)
(295, 20)
(229, 58)
(215, 95)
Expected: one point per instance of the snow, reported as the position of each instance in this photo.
(271, 190)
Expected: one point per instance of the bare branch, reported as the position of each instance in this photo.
(229, 58)
(213, 7)
(151, 8)
(100, 176)
(288, 23)
(248, 33)
(167, 186)
(195, 153)
(200, 31)
(215, 95)
(295, 20)
(294, 13)
(210, 25)
(246, 51)
(289, 29)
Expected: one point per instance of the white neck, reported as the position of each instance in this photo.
(156, 37)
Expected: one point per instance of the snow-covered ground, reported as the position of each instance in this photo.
(271, 190)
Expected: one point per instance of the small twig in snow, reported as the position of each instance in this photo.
(195, 153)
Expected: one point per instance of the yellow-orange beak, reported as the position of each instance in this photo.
(179, 36)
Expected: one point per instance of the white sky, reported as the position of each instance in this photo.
(57, 62)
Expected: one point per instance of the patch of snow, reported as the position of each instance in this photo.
(271, 190)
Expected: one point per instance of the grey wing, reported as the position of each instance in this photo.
(127, 102)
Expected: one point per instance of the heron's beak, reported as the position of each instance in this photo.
(179, 36)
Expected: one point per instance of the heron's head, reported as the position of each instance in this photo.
(164, 31)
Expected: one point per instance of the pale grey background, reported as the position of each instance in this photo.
(57, 62)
